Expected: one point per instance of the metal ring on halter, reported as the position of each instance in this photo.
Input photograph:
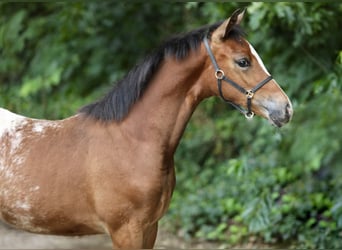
(249, 94)
(219, 74)
(249, 114)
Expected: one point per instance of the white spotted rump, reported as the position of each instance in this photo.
(17, 202)
(9, 120)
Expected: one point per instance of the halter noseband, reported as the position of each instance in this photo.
(219, 75)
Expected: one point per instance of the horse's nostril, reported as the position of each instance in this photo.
(288, 111)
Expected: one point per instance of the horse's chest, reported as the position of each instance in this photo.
(161, 199)
(145, 194)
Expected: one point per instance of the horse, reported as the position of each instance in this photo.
(110, 168)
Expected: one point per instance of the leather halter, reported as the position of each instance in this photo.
(219, 75)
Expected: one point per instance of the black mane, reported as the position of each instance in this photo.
(116, 104)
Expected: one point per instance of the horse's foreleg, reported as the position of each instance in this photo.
(150, 236)
(123, 239)
(128, 235)
(134, 237)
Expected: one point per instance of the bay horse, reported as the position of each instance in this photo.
(110, 167)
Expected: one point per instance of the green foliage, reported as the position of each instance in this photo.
(245, 179)
(236, 180)
(75, 49)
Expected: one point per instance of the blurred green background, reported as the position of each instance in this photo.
(237, 181)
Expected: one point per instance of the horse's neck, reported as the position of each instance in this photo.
(161, 115)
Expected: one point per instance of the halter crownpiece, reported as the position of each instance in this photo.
(219, 75)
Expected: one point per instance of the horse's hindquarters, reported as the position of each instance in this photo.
(43, 186)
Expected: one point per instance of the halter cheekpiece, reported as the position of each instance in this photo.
(219, 75)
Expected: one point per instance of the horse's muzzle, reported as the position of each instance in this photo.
(281, 117)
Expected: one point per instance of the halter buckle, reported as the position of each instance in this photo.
(219, 74)
(249, 94)
(249, 115)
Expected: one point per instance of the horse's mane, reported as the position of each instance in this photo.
(116, 104)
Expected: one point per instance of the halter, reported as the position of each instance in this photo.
(219, 75)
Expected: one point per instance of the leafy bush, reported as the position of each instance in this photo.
(249, 179)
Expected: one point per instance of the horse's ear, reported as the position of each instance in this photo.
(222, 32)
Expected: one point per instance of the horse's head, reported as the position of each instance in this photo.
(242, 78)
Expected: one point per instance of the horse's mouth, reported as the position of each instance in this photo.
(278, 117)
(276, 122)
(279, 120)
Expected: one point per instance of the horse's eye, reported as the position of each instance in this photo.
(243, 63)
